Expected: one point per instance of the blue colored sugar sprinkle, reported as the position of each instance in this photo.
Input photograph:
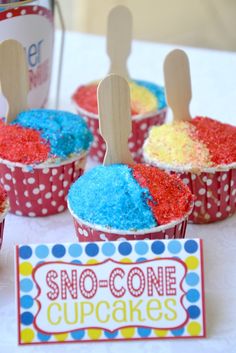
(65, 132)
(109, 196)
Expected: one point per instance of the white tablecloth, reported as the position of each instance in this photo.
(214, 91)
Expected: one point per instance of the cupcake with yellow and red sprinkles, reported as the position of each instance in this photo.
(135, 202)
(42, 152)
(4, 207)
(202, 151)
(148, 108)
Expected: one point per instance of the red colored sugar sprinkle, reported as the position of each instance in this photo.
(171, 199)
(86, 98)
(3, 196)
(219, 138)
(24, 145)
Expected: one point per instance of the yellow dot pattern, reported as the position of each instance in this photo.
(61, 337)
(126, 260)
(26, 269)
(94, 334)
(161, 333)
(92, 262)
(127, 332)
(194, 328)
(27, 335)
(192, 262)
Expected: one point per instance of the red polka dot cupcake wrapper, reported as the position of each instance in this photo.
(89, 233)
(140, 128)
(39, 191)
(215, 194)
(2, 222)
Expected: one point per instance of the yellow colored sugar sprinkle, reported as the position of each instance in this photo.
(172, 144)
(142, 100)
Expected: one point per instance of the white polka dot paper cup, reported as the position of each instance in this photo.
(140, 126)
(2, 220)
(40, 190)
(87, 232)
(215, 194)
(214, 190)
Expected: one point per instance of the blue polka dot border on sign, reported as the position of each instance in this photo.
(94, 252)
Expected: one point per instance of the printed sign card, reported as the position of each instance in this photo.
(110, 291)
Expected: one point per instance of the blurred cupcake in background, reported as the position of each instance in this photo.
(148, 108)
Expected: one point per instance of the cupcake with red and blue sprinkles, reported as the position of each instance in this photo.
(202, 151)
(129, 201)
(148, 108)
(42, 152)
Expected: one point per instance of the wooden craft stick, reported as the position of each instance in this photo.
(114, 118)
(178, 84)
(119, 38)
(14, 78)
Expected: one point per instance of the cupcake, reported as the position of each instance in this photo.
(148, 108)
(202, 151)
(41, 153)
(4, 206)
(132, 202)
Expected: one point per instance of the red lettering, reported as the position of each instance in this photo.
(51, 275)
(155, 281)
(68, 284)
(170, 280)
(40, 75)
(116, 273)
(133, 274)
(88, 276)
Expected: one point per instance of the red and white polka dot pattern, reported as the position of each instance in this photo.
(215, 195)
(140, 128)
(89, 234)
(39, 191)
(26, 10)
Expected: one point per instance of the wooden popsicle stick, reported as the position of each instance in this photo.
(14, 77)
(115, 119)
(178, 84)
(119, 38)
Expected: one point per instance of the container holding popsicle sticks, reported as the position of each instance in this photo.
(31, 22)
(114, 102)
(119, 37)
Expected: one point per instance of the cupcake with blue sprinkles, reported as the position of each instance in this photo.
(129, 201)
(42, 152)
(148, 108)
